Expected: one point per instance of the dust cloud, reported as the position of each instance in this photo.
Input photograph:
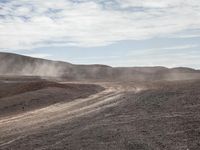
(12, 64)
(27, 66)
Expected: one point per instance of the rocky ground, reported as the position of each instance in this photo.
(22, 94)
(120, 116)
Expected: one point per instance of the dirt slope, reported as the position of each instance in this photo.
(158, 116)
(21, 96)
(12, 64)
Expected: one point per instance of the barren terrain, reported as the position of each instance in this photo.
(132, 115)
(48, 105)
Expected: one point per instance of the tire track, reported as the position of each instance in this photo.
(15, 127)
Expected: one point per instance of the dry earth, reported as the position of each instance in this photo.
(123, 116)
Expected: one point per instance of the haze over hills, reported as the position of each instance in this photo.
(154, 112)
(116, 114)
(14, 64)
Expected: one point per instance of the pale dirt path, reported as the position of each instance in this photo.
(16, 127)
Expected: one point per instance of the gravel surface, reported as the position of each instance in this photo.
(124, 116)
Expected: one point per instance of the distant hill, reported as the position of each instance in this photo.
(13, 64)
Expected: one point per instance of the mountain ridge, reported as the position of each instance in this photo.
(15, 64)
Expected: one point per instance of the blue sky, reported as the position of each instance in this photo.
(112, 32)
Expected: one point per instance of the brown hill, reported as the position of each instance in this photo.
(13, 64)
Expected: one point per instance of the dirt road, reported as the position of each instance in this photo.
(17, 127)
(125, 116)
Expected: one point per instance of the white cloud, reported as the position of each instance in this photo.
(38, 55)
(190, 34)
(25, 24)
(162, 4)
(170, 49)
(173, 56)
(180, 47)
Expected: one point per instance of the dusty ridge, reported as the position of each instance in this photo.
(12, 64)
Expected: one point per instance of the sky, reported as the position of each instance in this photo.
(112, 32)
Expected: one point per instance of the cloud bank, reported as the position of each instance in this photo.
(27, 24)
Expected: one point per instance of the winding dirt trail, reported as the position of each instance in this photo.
(13, 128)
